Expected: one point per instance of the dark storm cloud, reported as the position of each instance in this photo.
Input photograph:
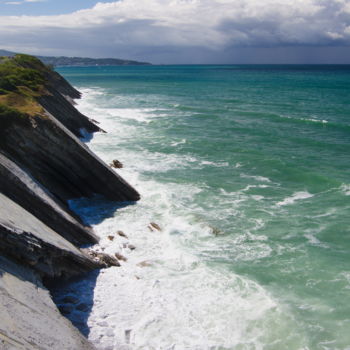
(194, 31)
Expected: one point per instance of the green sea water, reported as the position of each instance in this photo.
(246, 169)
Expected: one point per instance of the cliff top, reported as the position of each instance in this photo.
(22, 79)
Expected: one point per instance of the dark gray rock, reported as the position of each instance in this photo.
(70, 299)
(105, 259)
(59, 160)
(82, 307)
(25, 191)
(42, 165)
(66, 113)
(29, 242)
(116, 164)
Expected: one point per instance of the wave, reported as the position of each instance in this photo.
(171, 293)
(257, 178)
(345, 188)
(297, 196)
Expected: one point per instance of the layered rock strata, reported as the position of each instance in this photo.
(43, 164)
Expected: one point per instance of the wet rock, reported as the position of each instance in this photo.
(65, 309)
(144, 263)
(70, 299)
(122, 234)
(82, 307)
(215, 231)
(153, 226)
(108, 260)
(111, 238)
(120, 257)
(130, 246)
(116, 164)
(103, 258)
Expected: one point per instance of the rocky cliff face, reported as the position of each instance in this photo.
(22, 188)
(29, 318)
(42, 165)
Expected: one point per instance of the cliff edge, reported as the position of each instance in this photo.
(43, 164)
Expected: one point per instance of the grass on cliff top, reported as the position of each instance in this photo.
(22, 80)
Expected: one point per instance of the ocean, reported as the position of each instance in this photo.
(246, 171)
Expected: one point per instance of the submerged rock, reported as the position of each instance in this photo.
(70, 299)
(215, 231)
(82, 307)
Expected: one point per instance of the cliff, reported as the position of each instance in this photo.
(42, 165)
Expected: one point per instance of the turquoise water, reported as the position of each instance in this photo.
(246, 169)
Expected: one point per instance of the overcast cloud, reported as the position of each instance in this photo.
(193, 31)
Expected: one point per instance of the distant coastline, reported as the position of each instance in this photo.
(63, 61)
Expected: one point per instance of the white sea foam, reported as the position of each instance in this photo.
(295, 197)
(176, 143)
(257, 178)
(315, 120)
(216, 164)
(345, 188)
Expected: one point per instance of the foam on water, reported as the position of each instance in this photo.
(295, 197)
(257, 178)
(170, 293)
(345, 188)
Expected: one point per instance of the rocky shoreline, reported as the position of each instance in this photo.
(43, 164)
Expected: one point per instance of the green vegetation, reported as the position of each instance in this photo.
(22, 80)
(22, 70)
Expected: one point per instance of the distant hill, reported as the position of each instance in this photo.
(6, 53)
(81, 61)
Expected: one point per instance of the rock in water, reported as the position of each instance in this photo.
(120, 257)
(122, 234)
(102, 258)
(153, 225)
(116, 164)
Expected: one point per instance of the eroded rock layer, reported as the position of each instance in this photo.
(43, 164)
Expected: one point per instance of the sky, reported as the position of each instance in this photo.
(181, 31)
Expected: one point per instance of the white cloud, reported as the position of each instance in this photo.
(136, 26)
